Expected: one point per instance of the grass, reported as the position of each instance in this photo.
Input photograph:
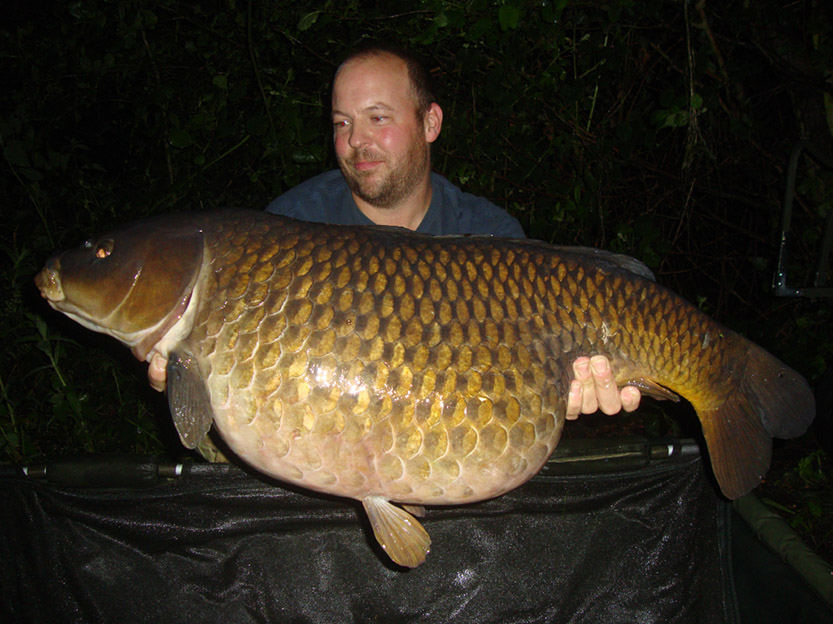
(799, 487)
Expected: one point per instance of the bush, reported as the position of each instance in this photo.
(659, 129)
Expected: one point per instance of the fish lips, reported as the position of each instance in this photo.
(48, 282)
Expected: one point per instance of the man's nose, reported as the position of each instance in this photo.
(359, 136)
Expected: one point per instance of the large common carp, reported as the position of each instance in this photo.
(388, 366)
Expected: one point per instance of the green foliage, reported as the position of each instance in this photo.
(808, 506)
(625, 125)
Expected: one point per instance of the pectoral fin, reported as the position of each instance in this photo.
(188, 399)
(397, 531)
(415, 510)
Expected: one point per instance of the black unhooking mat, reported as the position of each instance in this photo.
(219, 545)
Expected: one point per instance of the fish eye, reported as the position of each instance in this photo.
(104, 248)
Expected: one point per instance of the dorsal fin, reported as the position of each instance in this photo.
(621, 261)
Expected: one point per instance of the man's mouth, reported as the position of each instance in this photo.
(365, 163)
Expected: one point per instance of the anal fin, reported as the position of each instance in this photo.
(188, 399)
(650, 388)
(401, 536)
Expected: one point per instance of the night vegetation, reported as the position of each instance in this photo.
(661, 129)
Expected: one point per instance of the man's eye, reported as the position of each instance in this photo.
(340, 124)
(378, 118)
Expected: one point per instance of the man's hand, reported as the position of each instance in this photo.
(594, 388)
(157, 376)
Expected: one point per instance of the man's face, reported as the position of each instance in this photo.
(380, 141)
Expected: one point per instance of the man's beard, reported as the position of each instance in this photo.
(395, 185)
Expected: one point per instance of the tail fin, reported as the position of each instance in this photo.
(770, 400)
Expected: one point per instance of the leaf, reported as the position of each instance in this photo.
(776, 505)
(624, 131)
(508, 17)
(673, 117)
(815, 509)
(16, 154)
(257, 125)
(180, 137)
(40, 325)
(307, 20)
(220, 81)
(307, 155)
(696, 101)
(480, 28)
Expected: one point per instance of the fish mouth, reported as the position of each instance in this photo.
(48, 282)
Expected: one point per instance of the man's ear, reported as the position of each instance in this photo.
(433, 122)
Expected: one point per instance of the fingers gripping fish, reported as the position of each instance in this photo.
(404, 370)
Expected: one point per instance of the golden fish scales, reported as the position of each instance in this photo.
(371, 368)
(387, 366)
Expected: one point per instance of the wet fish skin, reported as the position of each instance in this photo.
(387, 366)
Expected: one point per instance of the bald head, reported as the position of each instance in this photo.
(419, 80)
(382, 138)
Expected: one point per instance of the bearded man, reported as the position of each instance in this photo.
(385, 118)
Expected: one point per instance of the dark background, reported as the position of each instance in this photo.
(657, 128)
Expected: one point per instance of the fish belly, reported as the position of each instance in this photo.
(352, 363)
(385, 366)
(371, 362)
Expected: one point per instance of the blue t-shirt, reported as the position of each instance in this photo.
(326, 198)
